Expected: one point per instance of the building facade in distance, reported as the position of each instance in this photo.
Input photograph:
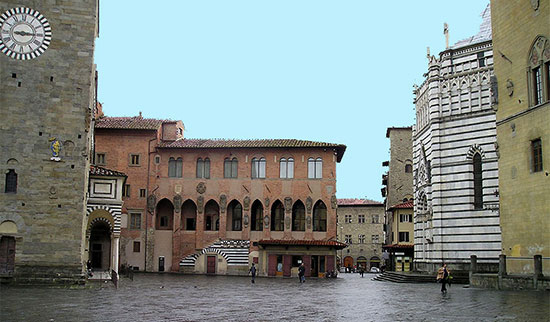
(455, 158)
(47, 93)
(216, 206)
(400, 249)
(521, 36)
(361, 227)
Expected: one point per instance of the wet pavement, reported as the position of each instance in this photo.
(152, 297)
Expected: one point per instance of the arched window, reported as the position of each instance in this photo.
(188, 215)
(203, 168)
(315, 168)
(538, 77)
(235, 216)
(320, 216)
(256, 216)
(408, 168)
(230, 168)
(277, 216)
(211, 216)
(287, 168)
(298, 216)
(11, 181)
(258, 168)
(175, 167)
(165, 215)
(478, 182)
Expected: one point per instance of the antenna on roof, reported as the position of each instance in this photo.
(140, 114)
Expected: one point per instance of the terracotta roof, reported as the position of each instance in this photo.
(299, 242)
(99, 171)
(128, 123)
(265, 143)
(405, 205)
(358, 202)
(402, 246)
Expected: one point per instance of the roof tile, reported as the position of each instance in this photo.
(130, 123)
(357, 202)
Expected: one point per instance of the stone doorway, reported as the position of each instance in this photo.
(211, 265)
(7, 255)
(100, 246)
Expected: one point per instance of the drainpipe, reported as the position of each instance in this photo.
(147, 206)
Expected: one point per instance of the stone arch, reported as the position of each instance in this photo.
(17, 220)
(211, 215)
(12, 162)
(68, 147)
(8, 227)
(113, 213)
(473, 150)
(188, 215)
(164, 215)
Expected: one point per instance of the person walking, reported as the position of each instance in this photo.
(252, 272)
(361, 270)
(443, 277)
(301, 273)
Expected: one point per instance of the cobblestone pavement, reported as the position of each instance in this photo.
(153, 297)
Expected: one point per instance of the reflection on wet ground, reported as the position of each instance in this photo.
(152, 297)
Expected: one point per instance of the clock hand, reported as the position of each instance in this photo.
(23, 33)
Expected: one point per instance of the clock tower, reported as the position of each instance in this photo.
(47, 97)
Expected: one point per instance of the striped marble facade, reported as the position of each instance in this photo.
(235, 252)
(454, 121)
(114, 210)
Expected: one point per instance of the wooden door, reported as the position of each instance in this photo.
(330, 263)
(287, 265)
(271, 265)
(348, 262)
(307, 264)
(7, 255)
(211, 265)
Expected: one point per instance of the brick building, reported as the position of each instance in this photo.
(215, 206)
(47, 93)
(361, 227)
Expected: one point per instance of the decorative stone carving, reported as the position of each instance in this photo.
(266, 201)
(200, 204)
(510, 87)
(245, 220)
(287, 222)
(151, 203)
(535, 4)
(223, 203)
(266, 221)
(309, 204)
(53, 192)
(177, 203)
(246, 203)
(201, 188)
(334, 202)
(288, 204)
(308, 222)
(69, 147)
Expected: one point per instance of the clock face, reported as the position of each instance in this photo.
(24, 33)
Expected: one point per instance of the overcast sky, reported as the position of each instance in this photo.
(331, 71)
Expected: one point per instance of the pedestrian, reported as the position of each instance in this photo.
(252, 272)
(443, 277)
(302, 273)
(361, 270)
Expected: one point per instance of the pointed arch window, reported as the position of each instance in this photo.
(258, 168)
(286, 168)
(256, 216)
(203, 168)
(277, 216)
(175, 167)
(320, 216)
(11, 181)
(298, 217)
(478, 182)
(230, 167)
(235, 211)
(538, 72)
(315, 168)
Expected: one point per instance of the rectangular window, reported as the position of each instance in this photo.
(135, 221)
(375, 239)
(403, 236)
(286, 168)
(190, 224)
(137, 247)
(348, 239)
(361, 219)
(203, 168)
(347, 219)
(537, 81)
(315, 168)
(163, 222)
(142, 193)
(230, 167)
(375, 219)
(126, 190)
(536, 151)
(405, 218)
(258, 168)
(100, 159)
(134, 159)
(361, 239)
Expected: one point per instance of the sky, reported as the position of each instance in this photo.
(329, 71)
